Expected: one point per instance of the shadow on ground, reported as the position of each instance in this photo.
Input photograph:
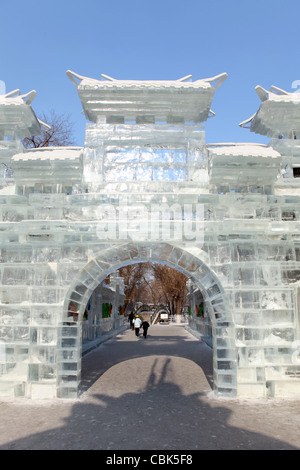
(144, 395)
(118, 350)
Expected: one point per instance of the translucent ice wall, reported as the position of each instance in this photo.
(143, 156)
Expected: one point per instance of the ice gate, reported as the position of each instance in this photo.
(146, 186)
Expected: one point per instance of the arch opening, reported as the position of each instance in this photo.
(194, 268)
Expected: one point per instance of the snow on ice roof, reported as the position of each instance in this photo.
(243, 150)
(49, 153)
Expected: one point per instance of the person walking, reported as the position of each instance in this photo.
(130, 318)
(137, 325)
(145, 326)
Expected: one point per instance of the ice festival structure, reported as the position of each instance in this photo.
(146, 186)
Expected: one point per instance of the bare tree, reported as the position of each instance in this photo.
(136, 289)
(172, 287)
(155, 283)
(60, 133)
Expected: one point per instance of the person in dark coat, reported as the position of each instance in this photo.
(145, 326)
(130, 317)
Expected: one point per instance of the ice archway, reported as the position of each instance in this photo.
(107, 261)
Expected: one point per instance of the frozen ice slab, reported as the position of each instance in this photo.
(49, 164)
(8, 148)
(146, 101)
(243, 163)
(278, 114)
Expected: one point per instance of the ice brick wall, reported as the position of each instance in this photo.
(48, 240)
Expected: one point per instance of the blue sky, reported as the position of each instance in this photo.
(255, 42)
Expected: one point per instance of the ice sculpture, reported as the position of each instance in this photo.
(146, 186)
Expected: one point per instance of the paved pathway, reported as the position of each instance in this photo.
(150, 394)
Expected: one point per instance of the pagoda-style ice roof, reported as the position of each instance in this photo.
(17, 118)
(278, 115)
(146, 101)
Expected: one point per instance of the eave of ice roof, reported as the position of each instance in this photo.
(141, 84)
